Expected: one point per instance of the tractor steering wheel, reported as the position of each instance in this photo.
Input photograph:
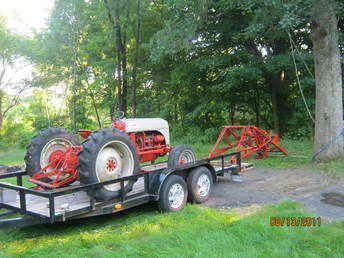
(113, 117)
(117, 116)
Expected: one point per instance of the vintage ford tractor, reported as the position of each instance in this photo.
(56, 158)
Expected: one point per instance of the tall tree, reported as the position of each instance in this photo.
(120, 33)
(136, 55)
(8, 56)
(328, 74)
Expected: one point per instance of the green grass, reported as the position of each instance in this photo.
(196, 231)
(12, 156)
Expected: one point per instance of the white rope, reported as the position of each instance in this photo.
(303, 60)
(298, 79)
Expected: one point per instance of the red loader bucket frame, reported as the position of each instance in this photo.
(247, 139)
(61, 169)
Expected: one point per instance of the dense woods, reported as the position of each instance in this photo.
(198, 64)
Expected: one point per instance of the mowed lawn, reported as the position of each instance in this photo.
(12, 156)
(196, 231)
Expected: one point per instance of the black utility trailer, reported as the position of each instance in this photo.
(170, 187)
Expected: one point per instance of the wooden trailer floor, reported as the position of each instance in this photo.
(65, 203)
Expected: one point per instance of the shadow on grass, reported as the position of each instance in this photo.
(82, 224)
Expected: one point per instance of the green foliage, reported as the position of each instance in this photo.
(15, 134)
(24, 121)
(9, 45)
(238, 55)
(10, 49)
(201, 64)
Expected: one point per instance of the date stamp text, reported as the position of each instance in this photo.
(295, 221)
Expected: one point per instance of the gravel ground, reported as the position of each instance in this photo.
(263, 186)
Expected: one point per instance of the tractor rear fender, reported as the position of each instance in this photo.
(158, 182)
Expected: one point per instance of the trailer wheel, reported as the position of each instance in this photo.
(107, 154)
(173, 194)
(43, 145)
(180, 155)
(200, 184)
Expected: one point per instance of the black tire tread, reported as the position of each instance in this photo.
(88, 155)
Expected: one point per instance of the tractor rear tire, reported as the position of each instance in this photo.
(181, 155)
(107, 154)
(43, 144)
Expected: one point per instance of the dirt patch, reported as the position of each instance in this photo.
(263, 186)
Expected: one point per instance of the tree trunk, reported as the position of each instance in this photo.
(1, 122)
(136, 59)
(231, 113)
(272, 80)
(257, 107)
(117, 73)
(74, 91)
(328, 80)
(1, 115)
(274, 101)
(122, 49)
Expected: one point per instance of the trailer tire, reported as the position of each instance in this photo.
(38, 152)
(200, 184)
(181, 154)
(173, 194)
(107, 154)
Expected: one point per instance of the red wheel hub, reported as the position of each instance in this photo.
(56, 156)
(111, 165)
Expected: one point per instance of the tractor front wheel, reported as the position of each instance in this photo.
(107, 154)
(180, 155)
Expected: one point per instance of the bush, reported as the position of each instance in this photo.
(15, 134)
(194, 135)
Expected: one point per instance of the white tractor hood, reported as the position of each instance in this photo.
(148, 124)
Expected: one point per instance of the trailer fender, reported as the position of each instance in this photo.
(162, 178)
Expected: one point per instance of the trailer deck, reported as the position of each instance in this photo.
(49, 206)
